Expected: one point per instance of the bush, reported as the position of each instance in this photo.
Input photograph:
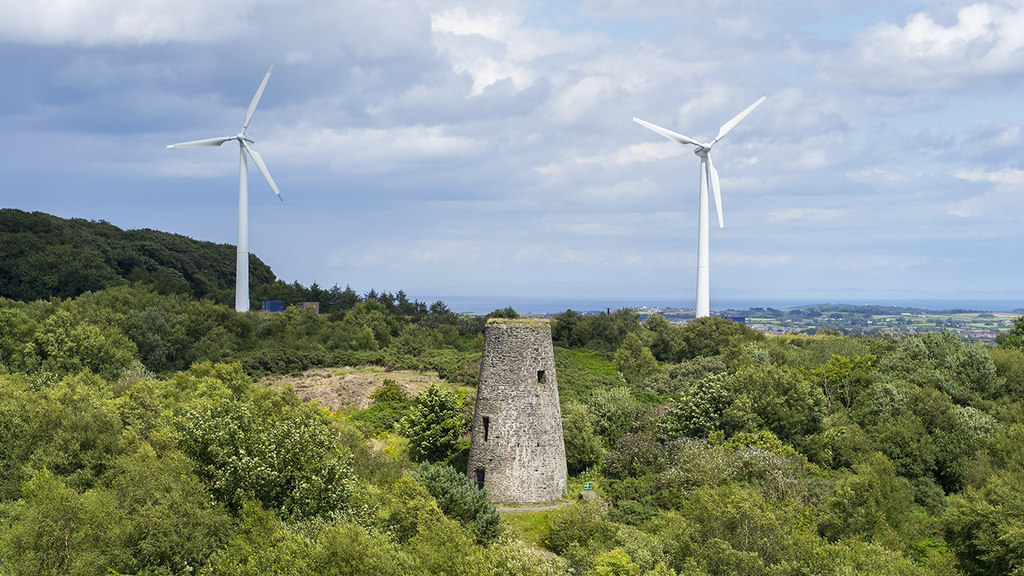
(433, 425)
(582, 444)
(460, 500)
(269, 447)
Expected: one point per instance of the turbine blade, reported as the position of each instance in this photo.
(713, 177)
(256, 100)
(258, 161)
(205, 142)
(728, 126)
(667, 133)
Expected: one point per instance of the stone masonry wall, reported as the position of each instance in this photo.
(517, 448)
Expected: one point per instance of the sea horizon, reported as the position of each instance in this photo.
(555, 305)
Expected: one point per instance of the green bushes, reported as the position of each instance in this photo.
(433, 423)
(271, 448)
(460, 500)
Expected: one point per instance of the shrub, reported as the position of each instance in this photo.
(460, 500)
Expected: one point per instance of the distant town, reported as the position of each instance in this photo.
(972, 325)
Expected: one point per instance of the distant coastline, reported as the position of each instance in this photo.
(530, 305)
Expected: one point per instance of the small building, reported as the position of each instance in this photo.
(273, 306)
(311, 306)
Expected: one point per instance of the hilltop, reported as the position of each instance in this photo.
(44, 256)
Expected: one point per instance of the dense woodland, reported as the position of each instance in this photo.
(43, 256)
(137, 437)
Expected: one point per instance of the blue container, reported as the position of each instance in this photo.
(273, 306)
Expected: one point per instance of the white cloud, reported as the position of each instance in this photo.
(981, 40)
(1005, 177)
(370, 150)
(647, 152)
(582, 99)
(93, 22)
(488, 46)
(497, 135)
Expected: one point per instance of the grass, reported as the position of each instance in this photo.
(580, 371)
(529, 525)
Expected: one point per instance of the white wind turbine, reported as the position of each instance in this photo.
(708, 179)
(244, 149)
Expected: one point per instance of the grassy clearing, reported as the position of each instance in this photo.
(529, 525)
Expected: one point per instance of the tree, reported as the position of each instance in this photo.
(269, 447)
(169, 518)
(507, 312)
(613, 410)
(582, 444)
(634, 360)
(710, 335)
(1014, 337)
(701, 409)
(433, 424)
(615, 562)
(460, 500)
(872, 503)
(986, 525)
(55, 530)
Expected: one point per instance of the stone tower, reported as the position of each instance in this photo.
(517, 451)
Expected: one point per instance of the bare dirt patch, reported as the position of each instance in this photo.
(337, 387)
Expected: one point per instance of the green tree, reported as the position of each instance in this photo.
(170, 520)
(634, 360)
(985, 525)
(460, 500)
(53, 529)
(872, 504)
(708, 336)
(434, 424)
(270, 447)
(844, 377)
(1014, 337)
(262, 545)
(613, 410)
(69, 427)
(701, 409)
(615, 562)
(582, 444)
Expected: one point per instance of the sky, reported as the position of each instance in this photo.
(462, 150)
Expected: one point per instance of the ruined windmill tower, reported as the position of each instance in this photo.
(517, 451)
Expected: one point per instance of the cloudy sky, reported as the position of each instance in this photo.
(486, 149)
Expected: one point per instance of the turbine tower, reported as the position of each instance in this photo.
(708, 179)
(244, 149)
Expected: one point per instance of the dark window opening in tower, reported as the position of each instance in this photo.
(541, 378)
(480, 478)
(487, 427)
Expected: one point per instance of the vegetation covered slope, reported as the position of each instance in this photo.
(711, 449)
(43, 256)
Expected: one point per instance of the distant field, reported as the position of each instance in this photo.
(974, 326)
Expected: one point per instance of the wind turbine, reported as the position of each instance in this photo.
(708, 179)
(244, 149)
